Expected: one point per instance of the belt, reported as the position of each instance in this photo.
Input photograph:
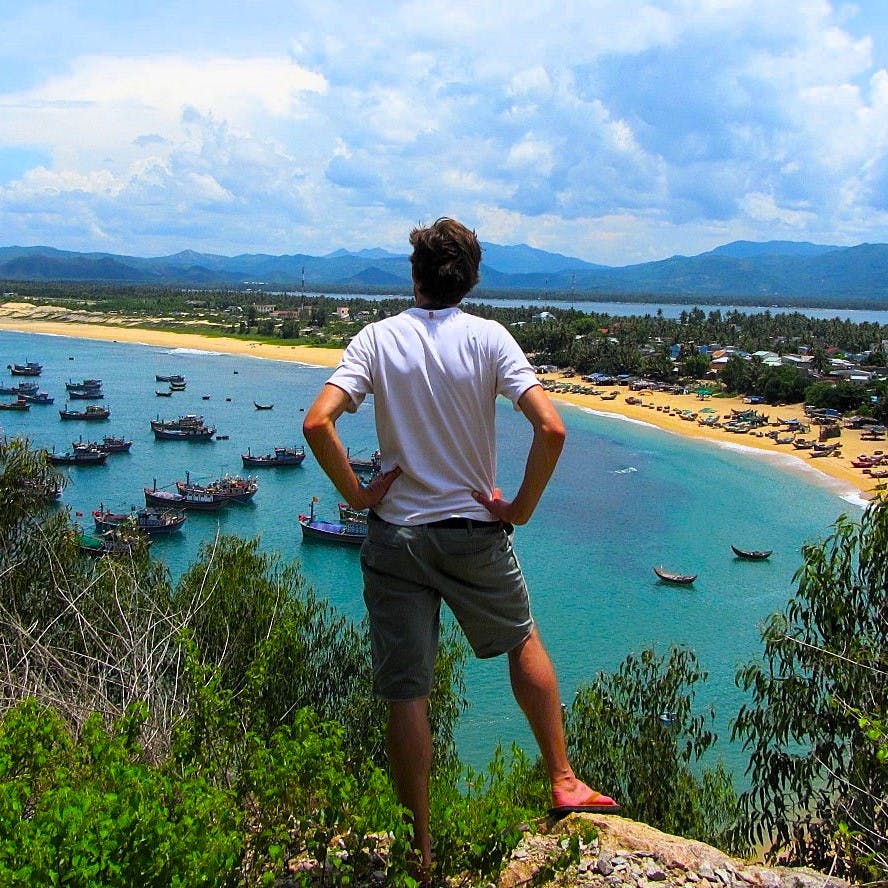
(466, 523)
(454, 523)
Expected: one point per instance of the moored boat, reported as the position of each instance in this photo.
(29, 368)
(150, 520)
(197, 502)
(282, 456)
(112, 542)
(189, 427)
(229, 488)
(37, 397)
(259, 406)
(79, 456)
(366, 466)
(91, 412)
(22, 388)
(108, 444)
(175, 377)
(19, 404)
(347, 532)
(751, 554)
(678, 579)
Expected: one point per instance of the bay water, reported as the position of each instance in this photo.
(626, 497)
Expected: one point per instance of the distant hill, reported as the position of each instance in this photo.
(768, 272)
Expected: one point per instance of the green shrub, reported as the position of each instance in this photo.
(92, 812)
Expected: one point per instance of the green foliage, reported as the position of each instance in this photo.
(479, 816)
(818, 786)
(279, 648)
(635, 732)
(90, 812)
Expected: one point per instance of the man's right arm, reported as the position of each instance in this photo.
(320, 432)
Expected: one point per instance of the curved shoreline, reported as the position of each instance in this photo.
(656, 409)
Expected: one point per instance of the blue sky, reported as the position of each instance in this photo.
(613, 130)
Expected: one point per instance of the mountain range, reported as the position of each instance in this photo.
(767, 272)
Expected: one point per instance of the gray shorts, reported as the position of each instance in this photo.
(408, 571)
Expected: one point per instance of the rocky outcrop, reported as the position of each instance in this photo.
(626, 854)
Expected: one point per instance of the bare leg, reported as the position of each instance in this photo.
(535, 687)
(409, 742)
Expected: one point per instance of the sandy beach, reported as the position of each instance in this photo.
(665, 411)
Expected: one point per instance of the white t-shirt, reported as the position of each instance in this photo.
(434, 375)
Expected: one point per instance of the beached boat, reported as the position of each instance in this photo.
(348, 533)
(92, 412)
(282, 456)
(230, 488)
(196, 502)
(19, 404)
(751, 554)
(29, 368)
(259, 406)
(676, 578)
(151, 521)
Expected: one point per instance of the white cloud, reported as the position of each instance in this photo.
(627, 129)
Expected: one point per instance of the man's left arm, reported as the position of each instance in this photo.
(545, 449)
(320, 432)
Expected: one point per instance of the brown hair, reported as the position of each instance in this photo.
(445, 260)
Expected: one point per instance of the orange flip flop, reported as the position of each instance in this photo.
(595, 804)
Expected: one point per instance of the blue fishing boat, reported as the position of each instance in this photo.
(350, 530)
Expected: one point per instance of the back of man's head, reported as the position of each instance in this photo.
(445, 260)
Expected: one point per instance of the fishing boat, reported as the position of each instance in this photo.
(79, 456)
(150, 520)
(348, 532)
(84, 384)
(230, 488)
(85, 394)
(282, 456)
(111, 542)
(29, 368)
(676, 578)
(751, 554)
(108, 444)
(37, 397)
(22, 388)
(189, 427)
(177, 386)
(368, 466)
(259, 406)
(19, 404)
(164, 393)
(91, 412)
(115, 444)
(197, 502)
(176, 377)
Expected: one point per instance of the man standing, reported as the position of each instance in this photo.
(439, 528)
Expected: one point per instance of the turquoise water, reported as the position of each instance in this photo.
(625, 497)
